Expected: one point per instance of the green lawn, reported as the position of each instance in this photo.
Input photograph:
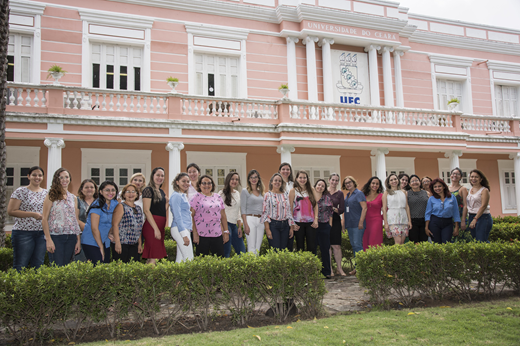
(489, 323)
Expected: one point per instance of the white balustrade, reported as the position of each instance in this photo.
(485, 124)
(228, 108)
(26, 96)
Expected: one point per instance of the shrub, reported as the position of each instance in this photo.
(435, 270)
(505, 231)
(506, 219)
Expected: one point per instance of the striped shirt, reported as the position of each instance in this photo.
(276, 207)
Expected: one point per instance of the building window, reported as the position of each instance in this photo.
(464, 180)
(506, 98)
(116, 67)
(19, 58)
(120, 174)
(219, 174)
(509, 200)
(465, 165)
(447, 90)
(216, 75)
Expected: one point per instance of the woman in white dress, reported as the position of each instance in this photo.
(396, 212)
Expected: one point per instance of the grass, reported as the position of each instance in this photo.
(488, 323)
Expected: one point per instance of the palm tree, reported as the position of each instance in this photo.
(4, 41)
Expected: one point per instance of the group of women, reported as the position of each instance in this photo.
(101, 223)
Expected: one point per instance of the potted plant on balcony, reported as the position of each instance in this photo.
(453, 103)
(56, 72)
(172, 82)
(284, 89)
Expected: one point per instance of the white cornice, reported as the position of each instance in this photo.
(450, 60)
(217, 31)
(464, 43)
(23, 7)
(287, 13)
(213, 7)
(408, 31)
(116, 19)
(462, 23)
(503, 66)
(328, 15)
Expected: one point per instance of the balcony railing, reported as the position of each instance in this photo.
(52, 99)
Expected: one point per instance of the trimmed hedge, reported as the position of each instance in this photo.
(435, 271)
(506, 219)
(32, 301)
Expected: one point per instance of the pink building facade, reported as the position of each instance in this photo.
(369, 85)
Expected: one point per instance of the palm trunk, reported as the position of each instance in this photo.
(4, 40)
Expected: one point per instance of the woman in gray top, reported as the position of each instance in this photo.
(417, 201)
(251, 206)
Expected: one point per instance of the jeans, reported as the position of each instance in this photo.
(482, 228)
(184, 253)
(28, 247)
(280, 234)
(323, 239)
(238, 243)
(94, 255)
(256, 234)
(441, 228)
(306, 234)
(64, 246)
(356, 239)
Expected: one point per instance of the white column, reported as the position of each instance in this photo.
(373, 74)
(285, 151)
(292, 76)
(174, 166)
(454, 158)
(327, 69)
(517, 181)
(387, 76)
(399, 97)
(54, 157)
(312, 78)
(380, 153)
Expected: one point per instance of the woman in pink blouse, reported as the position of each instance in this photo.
(210, 228)
(276, 214)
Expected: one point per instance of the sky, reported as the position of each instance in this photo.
(501, 13)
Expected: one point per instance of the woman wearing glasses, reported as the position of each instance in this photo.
(441, 211)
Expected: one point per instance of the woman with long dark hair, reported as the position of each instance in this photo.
(94, 240)
(373, 191)
(182, 224)
(325, 213)
(155, 205)
(26, 206)
(336, 230)
(461, 193)
(251, 203)
(441, 211)
(480, 220)
(305, 212)
(231, 198)
(193, 171)
(404, 180)
(61, 220)
(210, 226)
(87, 194)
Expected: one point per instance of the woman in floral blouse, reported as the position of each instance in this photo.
(210, 228)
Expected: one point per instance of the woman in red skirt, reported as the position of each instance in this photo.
(155, 205)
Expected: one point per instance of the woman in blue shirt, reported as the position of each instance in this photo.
(94, 239)
(441, 211)
(182, 222)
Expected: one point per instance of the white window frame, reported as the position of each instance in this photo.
(17, 54)
(217, 40)
(217, 160)
(515, 86)
(466, 165)
(116, 167)
(126, 33)
(506, 166)
(20, 157)
(25, 19)
(507, 74)
(219, 184)
(452, 68)
(115, 158)
(449, 95)
(217, 75)
(310, 163)
(395, 164)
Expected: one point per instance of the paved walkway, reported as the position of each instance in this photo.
(344, 294)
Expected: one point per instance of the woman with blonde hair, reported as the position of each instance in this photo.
(251, 202)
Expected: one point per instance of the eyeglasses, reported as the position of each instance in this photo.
(348, 182)
(206, 183)
(130, 191)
